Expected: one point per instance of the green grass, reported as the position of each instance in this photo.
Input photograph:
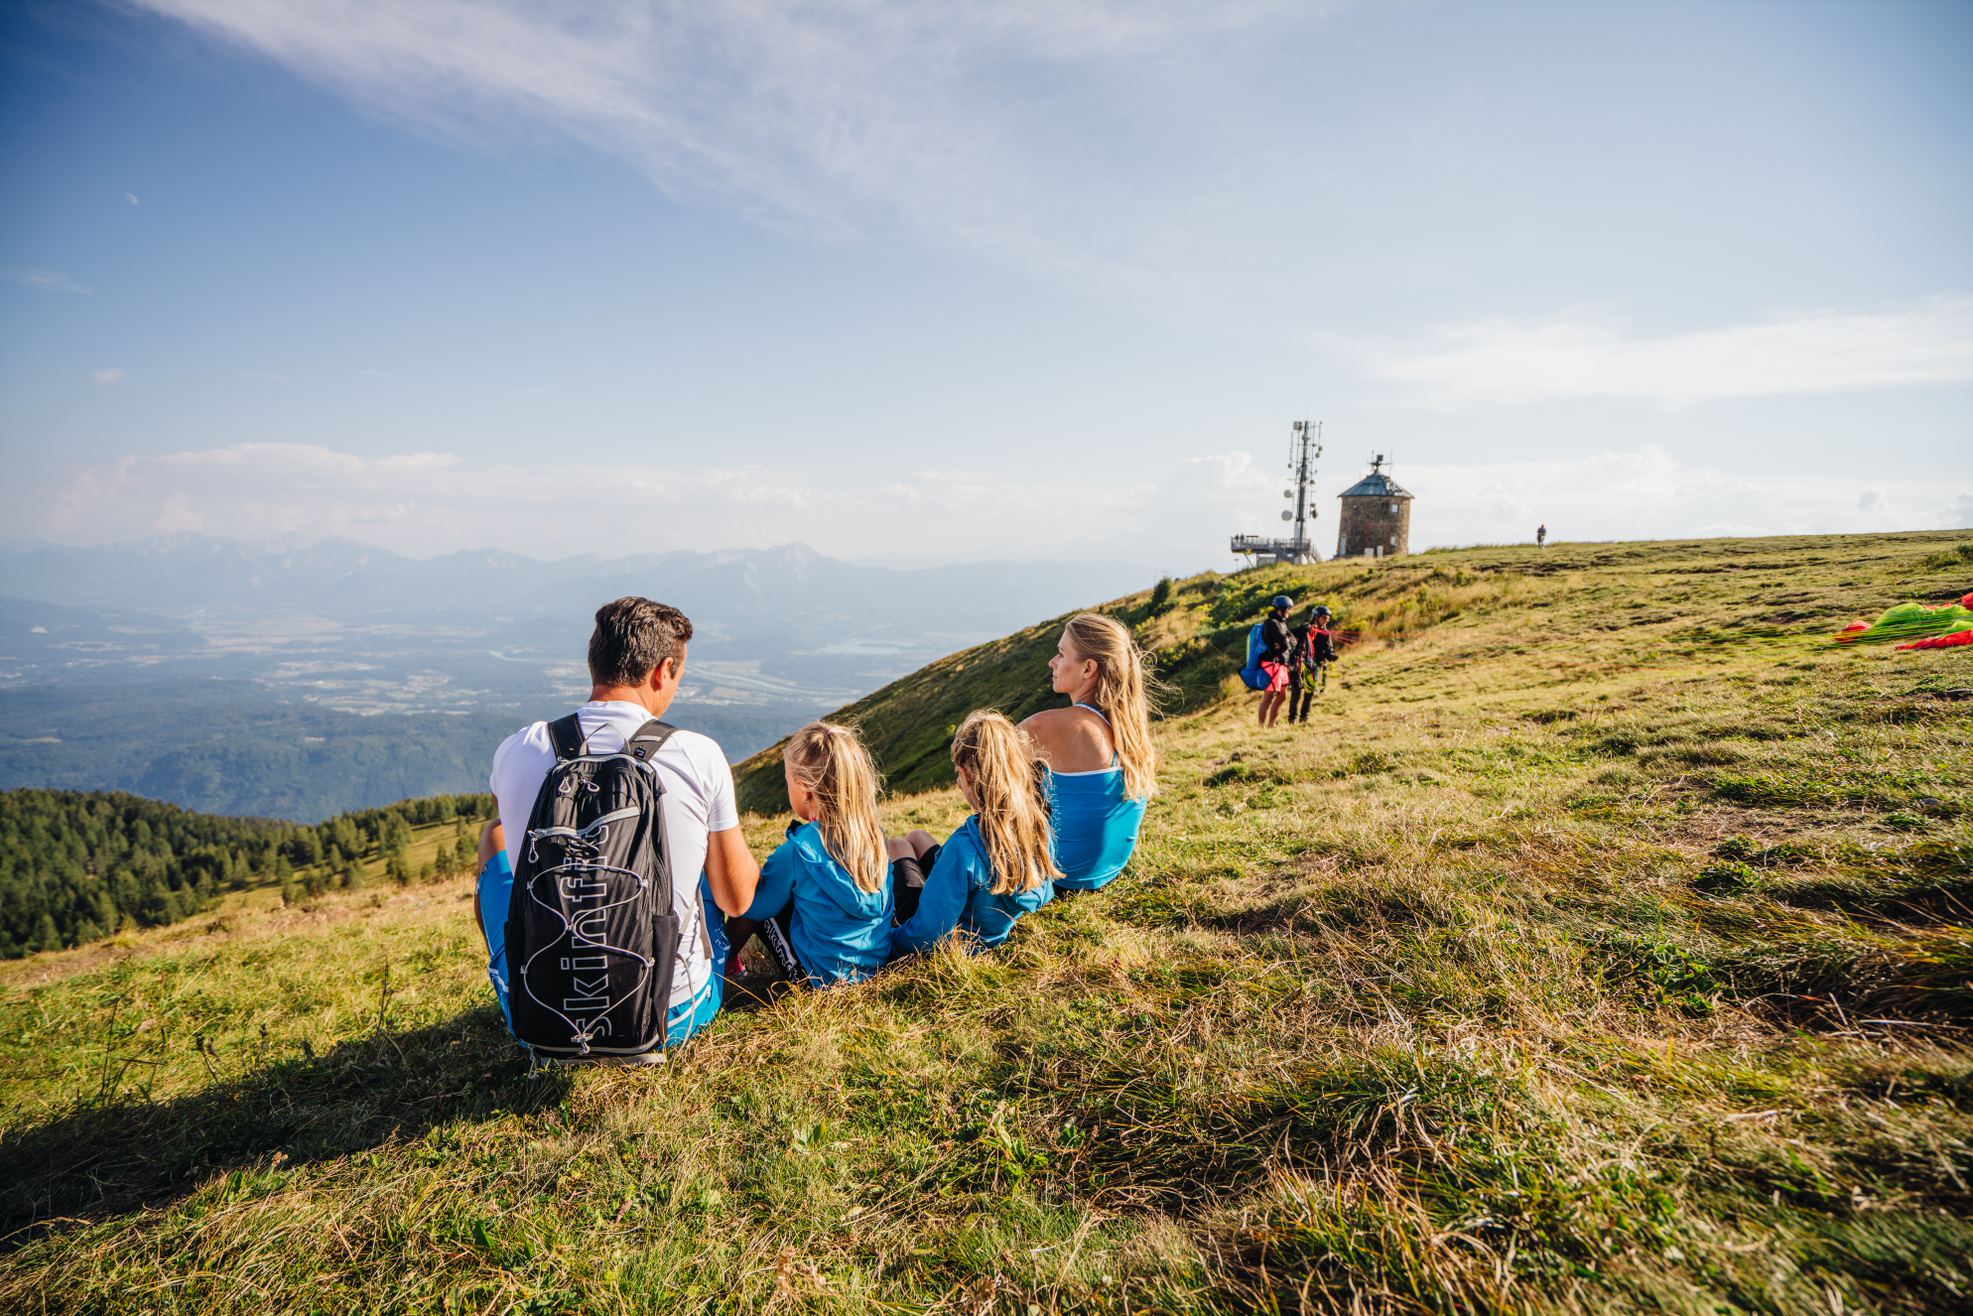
(1602, 944)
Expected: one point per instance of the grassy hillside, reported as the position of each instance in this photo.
(1484, 602)
(1602, 945)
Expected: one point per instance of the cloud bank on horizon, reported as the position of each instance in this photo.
(426, 503)
(1095, 252)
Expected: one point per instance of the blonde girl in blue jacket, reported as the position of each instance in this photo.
(999, 865)
(823, 905)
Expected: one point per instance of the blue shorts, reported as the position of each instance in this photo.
(496, 888)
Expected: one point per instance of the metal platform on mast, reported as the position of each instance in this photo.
(1297, 549)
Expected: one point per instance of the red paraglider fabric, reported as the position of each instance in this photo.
(1908, 622)
(1952, 641)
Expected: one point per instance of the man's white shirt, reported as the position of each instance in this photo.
(698, 800)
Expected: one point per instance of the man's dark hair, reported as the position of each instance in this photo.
(633, 636)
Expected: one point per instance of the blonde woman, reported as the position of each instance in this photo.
(1103, 765)
(999, 865)
(824, 901)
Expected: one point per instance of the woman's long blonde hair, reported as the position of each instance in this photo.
(1010, 783)
(831, 761)
(1123, 691)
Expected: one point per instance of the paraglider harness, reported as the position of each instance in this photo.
(1315, 649)
(1258, 652)
(1309, 661)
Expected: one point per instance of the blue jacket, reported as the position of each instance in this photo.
(1095, 826)
(959, 895)
(841, 933)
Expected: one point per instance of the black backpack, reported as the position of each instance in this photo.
(592, 935)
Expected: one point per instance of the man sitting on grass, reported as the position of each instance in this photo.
(636, 660)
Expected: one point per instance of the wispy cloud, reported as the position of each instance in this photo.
(106, 375)
(46, 281)
(828, 115)
(1821, 351)
(131, 197)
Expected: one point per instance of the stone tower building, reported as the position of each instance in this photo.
(1376, 520)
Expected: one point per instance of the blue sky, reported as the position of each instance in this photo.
(980, 279)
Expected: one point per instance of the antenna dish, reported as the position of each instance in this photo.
(1287, 515)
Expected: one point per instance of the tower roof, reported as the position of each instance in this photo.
(1376, 485)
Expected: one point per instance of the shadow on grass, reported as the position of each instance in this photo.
(104, 1158)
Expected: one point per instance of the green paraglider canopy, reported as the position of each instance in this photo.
(1908, 622)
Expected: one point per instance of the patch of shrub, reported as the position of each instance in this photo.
(1256, 773)
(1659, 971)
(1725, 879)
(1363, 763)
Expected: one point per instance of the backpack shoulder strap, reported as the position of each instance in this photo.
(650, 738)
(566, 734)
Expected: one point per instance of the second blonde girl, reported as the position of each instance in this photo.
(1000, 864)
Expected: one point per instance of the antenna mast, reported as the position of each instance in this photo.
(1304, 446)
(1308, 438)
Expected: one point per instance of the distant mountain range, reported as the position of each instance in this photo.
(731, 589)
(335, 651)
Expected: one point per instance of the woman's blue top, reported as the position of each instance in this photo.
(959, 894)
(841, 933)
(1095, 824)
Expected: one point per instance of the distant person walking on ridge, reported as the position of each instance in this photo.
(1269, 644)
(999, 865)
(663, 814)
(1308, 663)
(1102, 762)
(824, 901)
(1541, 535)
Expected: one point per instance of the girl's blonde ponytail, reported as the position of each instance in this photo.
(1011, 783)
(832, 761)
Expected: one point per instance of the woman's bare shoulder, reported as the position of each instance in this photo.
(1069, 720)
(1060, 729)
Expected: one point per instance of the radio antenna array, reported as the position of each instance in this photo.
(1304, 447)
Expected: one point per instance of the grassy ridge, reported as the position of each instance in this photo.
(1198, 637)
(1603, 944)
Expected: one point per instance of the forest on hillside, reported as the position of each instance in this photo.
(248, 751)
(76, 865)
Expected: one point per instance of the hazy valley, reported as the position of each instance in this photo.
(299, 682)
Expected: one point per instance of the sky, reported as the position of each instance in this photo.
(983, 278)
